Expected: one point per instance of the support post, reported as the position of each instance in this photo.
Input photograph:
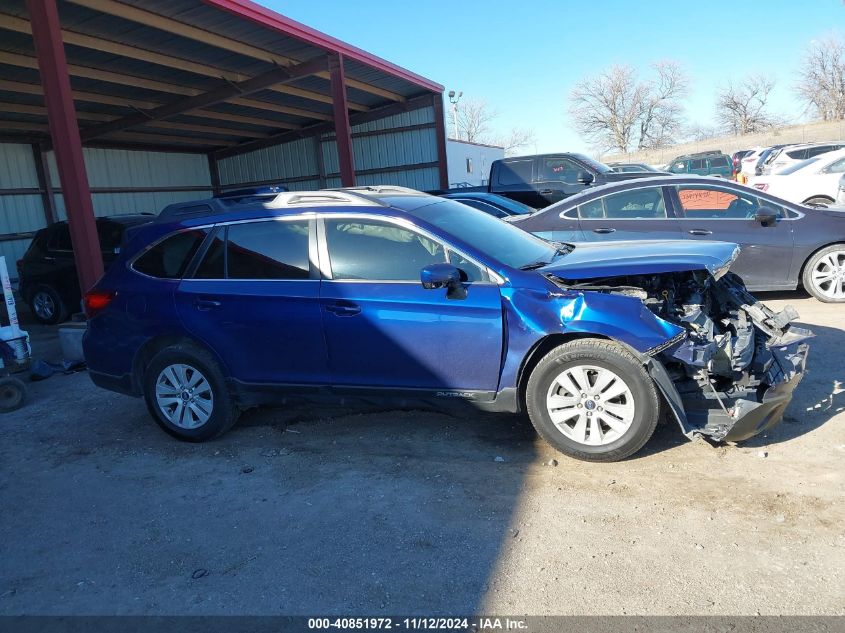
(440, 131)
(64, 131)
(342, 129)
(42, 172)
(214, 173)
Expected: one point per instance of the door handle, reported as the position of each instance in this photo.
(546, 192)
(343, 308)
(700, 232)
(204, 305)
(604, 230)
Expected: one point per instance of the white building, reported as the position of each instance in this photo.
(470, 162)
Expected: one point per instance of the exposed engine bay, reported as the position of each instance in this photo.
(730, 374)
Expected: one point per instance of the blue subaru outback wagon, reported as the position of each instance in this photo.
(226, 304)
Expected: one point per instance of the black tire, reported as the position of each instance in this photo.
(819, 200)
(224, 412)
(12, 394)
(602, 354)
(823, 290)
(47, 306)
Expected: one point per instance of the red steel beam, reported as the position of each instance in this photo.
(342, 129)
(61, 115)
(440, 130)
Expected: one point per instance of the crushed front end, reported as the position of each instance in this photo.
(731, 373)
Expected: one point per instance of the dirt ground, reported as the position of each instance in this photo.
(366, 511)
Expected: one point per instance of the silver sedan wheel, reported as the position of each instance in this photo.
(184, 396)
(828, 275)
(43, 305)
(590, 405)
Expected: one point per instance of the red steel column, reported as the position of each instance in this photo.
(342, 130)
(440, 130)
(61, 115)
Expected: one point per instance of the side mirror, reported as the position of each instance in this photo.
(585, 178)
(766, 216)
(446, 276)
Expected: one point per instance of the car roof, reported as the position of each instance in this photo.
(811, 145)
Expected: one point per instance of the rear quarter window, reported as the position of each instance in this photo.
(169, 258)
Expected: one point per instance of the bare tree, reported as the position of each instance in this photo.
(741, 108)
(821, 78)
(474, 119)
(515, 140)
(616, 111)
(699, 132)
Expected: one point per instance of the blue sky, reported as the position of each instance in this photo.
(523, 58)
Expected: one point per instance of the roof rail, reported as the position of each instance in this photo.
(364, 189)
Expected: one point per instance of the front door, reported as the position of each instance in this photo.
(725, 214)
(254, 298)
(557, 178)
(383, 329)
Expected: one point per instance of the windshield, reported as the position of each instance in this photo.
(599, 167)
(793, 168)
(500, 240)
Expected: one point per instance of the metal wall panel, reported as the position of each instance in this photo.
(133, 202)
(399, 153)
(17, 167)
(125, 168)
(295, 159)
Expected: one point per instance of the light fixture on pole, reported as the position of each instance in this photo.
(453, 99)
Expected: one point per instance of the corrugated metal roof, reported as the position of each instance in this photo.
(191, 64)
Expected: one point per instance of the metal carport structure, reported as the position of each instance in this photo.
(265, 98)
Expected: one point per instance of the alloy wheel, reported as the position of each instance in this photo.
(590, 405)
(184, 396)
(828, 275)
(43, 305)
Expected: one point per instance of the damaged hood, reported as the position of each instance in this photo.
(589, 260)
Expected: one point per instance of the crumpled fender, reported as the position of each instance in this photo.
(531, 318)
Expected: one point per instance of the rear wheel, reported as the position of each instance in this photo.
(824, 274)
(47, 306)
(186, 394)
(819, 200)
(593, 400)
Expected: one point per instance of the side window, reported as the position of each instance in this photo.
(592, 210)
(636, 204)
(472, 271)
(515, 172)
(679, 167)
(169, 258)
(375, 250)
(213, 262)
(698, 163)
(267, 250)
(110, 234)
(60, 239)
(559, 170)
(709, 202)
(719, 161)
(836, 168)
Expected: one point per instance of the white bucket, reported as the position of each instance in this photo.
(21, 345)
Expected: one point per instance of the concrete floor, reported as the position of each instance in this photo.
(315, 511)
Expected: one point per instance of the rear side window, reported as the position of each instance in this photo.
(515, 172)
(268, 250)
(637, 204)
(719, 161)
(170, 258)
(110, 234)
(60, 239)
(798, 154)
(698, 163)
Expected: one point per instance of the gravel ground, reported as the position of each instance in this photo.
(367, 511)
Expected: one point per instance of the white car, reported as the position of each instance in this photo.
(792, 154)
(841, 197)
(811, 181)
(749, 161)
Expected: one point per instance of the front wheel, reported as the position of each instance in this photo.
(593, 400)
(47, 306)
(824, 274)
(186, 394)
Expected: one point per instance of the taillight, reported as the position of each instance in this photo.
(762, 186)
(96, 301)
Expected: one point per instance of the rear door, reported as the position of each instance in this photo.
(384, 330)
(717, 212)
(633, 214)
(254, 299)
(513, 178)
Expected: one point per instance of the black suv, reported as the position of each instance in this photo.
(47, 272)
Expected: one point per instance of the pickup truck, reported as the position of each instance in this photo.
(544, 179)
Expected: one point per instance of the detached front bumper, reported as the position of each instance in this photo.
(733, 418)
